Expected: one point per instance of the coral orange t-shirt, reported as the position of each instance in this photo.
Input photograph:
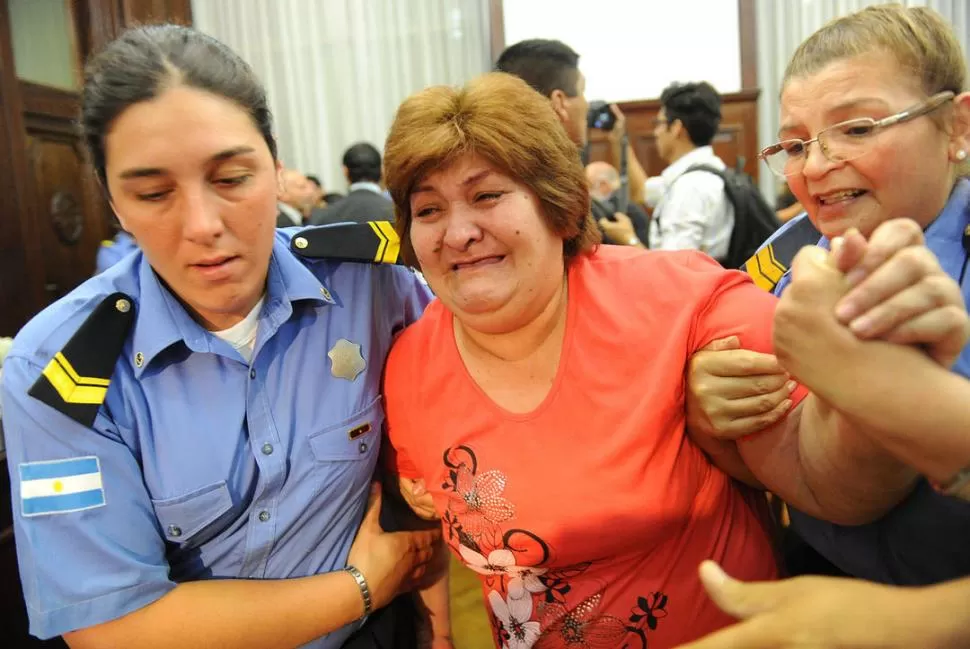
(587, 517)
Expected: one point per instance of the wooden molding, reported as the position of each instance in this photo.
(53, 102)
(748, 43)
(496, 20)
(654, 104)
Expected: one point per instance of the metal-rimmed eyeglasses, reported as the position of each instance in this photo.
(843, 141)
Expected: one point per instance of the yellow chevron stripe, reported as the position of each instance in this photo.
(74, 388)
(393, 247)
(374, 225)
(84, 380)
(774, 261)
(762, 282)
(768, 269)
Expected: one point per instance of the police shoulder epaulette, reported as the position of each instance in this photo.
(767, 266)
(375, 242)
(76, 380)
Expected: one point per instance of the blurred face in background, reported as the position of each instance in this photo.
(572, 111)
(298, 191)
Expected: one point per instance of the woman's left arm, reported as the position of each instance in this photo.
(909, 404)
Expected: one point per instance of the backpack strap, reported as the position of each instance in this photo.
(76, 380)
(767, 266)
(720, 173)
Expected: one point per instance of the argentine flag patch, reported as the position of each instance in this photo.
(60, 486)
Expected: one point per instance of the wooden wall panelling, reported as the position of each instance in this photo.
(737, 137)
(748, 42)
(153, 11)
(73, 215)
(21, 286)
(496, 17)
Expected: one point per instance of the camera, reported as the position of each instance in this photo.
(600, 116)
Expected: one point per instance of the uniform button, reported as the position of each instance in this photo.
(267, 449)
(175, 531)
(264, 516)
(363, 447)
(252, 374)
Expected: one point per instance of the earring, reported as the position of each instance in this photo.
(961, 155)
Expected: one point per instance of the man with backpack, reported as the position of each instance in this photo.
(706, 206)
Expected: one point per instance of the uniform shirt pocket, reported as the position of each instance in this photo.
(184, 518)
(356, 438)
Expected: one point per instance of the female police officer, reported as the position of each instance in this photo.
(192, 434)
(876, 125)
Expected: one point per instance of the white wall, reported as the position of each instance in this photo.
(632, 49)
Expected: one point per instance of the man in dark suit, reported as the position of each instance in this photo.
(365, 199)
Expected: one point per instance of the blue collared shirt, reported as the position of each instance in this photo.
(212, 468)
(112, 251)
(923, 540)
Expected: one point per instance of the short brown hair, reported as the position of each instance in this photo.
(920, 40)
(500, 118)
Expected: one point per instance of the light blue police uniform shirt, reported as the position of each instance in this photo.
(924, 539)
(113, 251)
(212, 468)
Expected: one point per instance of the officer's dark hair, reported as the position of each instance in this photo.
(145, 61)
(314, 180)
(363, 162)
(697, 106)
(545, 65)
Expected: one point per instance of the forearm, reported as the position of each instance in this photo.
(637, 177)
(821, 464)
(917, 410)
(944, 614)
(435, 611)
(234, 614)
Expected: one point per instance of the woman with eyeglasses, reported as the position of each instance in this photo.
(875, 125)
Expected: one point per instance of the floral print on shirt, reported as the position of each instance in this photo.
(530, 605)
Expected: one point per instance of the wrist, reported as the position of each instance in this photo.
(365, 593)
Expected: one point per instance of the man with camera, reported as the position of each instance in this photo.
(607, 192)
(552, 68)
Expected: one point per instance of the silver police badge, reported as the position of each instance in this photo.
(346, 361)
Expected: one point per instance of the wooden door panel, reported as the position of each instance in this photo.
(70, 231)
(66, 199)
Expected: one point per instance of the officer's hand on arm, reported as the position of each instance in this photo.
(899, 293)
(391, 562)
(733, 392)
(434, 624)
(829, 613)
